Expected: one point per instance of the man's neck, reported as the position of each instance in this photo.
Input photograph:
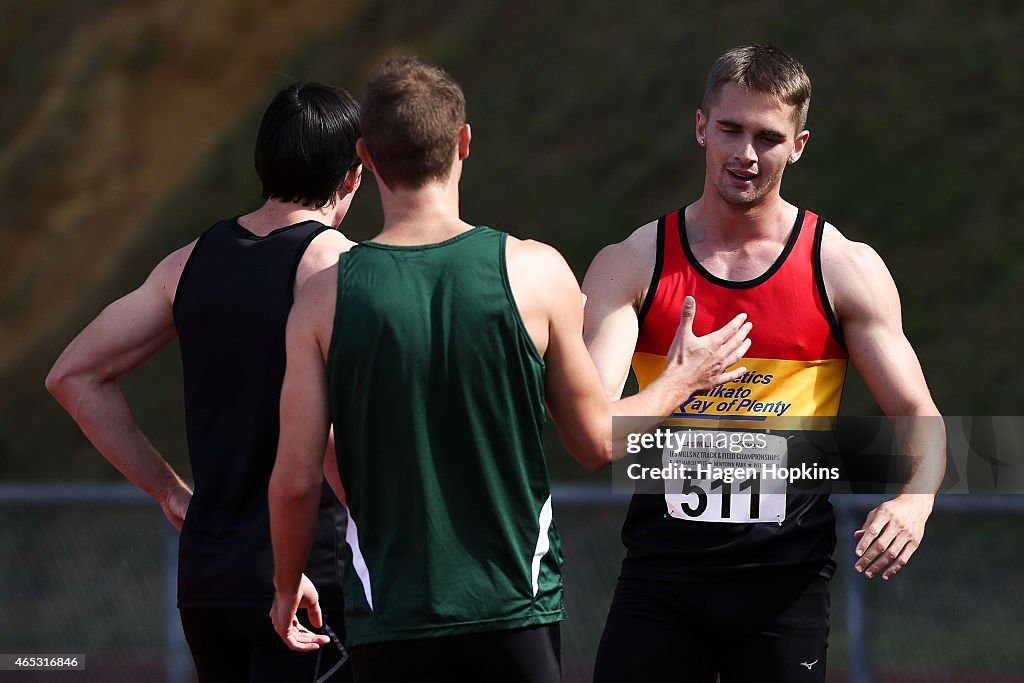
(275, 214)
(719, 221)
(424, 215)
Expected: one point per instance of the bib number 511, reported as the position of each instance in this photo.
(697, 508)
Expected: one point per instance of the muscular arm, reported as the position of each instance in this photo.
(867, 305)
(296, 481)
(549, 298)
(616, 284)
(84, 381)
(322, 254)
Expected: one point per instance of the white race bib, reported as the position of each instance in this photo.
(717, 478)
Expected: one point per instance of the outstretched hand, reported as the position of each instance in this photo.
(705, 360)
(891, 533)
(292, 632)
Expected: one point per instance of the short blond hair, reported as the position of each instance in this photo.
(761, 68)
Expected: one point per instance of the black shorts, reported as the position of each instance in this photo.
(525, 655)
(766, 628)
(240, 645)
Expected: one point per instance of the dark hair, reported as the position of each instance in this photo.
(411, 116)
(765, 69)
(307, 143)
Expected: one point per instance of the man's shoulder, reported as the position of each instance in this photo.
(842, 257)
(534, 254)
(531, 247)
(321, 283)
(855, 276)
(177, 259)
(328, 245)
(641, 246)
(315, 301)
(626, 266)
(534, 266)
(322, 253)
(167, 273)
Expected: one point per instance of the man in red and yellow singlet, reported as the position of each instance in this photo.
(725, 592)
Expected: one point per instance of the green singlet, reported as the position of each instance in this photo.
(437, 400)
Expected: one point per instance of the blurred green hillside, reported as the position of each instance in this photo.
(127, 129)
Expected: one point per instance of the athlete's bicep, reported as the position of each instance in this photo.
(610, 327)
(574, 394)
(125, 333)
(867, 305)
(885, 359)
(305, 413)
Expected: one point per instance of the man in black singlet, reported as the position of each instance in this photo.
(226, 296)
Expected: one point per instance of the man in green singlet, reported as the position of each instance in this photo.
(434, 349)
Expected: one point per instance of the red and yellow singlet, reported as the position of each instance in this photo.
(704, 526)
(796, 363)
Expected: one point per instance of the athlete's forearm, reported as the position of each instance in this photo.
(643, 411)
(921, 444)
(660, 398)
(102, 413)
(607, 424)
(293, 510)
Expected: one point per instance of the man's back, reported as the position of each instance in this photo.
(438, 395)
(446, 344)
(230, 310)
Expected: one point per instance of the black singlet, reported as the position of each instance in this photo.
(230, 310)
